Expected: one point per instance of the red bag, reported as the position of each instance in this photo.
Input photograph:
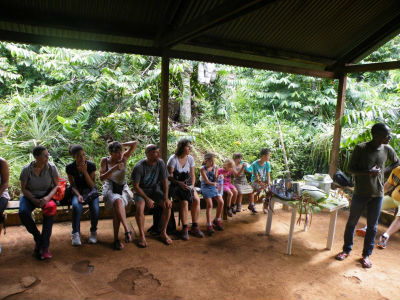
(62, 185)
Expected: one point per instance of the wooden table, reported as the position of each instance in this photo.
(293, 208)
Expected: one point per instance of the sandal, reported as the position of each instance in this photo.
(342, 255)
(118, 245)
(166, 240)
(366, 262)
(142, 243)
(128, 237)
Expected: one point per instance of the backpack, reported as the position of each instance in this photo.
(157, 222)
(341, 179)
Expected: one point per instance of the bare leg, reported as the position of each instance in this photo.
(229, 195)
(184, 212)
(195, 210)
(234, 195)
(209, 208)
(119, 209)
(239, 199)
(116, 224)
(166, 213)
(251, 198)
(139, 216)
(220, 206)
(393, 228)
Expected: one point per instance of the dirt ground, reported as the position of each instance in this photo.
(238, 263)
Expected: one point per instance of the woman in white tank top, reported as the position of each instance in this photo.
(116, 192)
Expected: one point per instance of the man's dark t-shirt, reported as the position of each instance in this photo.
(365, 157)
(79, 178)
(149, 177)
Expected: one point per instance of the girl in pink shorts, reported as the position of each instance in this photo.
(229, 188)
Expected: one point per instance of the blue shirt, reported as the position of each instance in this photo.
(262, 171)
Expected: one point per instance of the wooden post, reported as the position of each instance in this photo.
(338, 129)
(164, 107)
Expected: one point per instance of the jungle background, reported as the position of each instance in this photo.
(56, 97)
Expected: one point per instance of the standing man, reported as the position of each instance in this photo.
(367, 164)
(148, 177)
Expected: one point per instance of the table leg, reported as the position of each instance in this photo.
(306, 222)
(292, 222)
(331, 232)
(269, 217)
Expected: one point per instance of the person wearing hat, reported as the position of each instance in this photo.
(39, 182)
(150, 183)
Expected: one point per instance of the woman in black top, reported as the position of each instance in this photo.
(81, 175)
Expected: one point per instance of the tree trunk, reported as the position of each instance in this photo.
(186, 110)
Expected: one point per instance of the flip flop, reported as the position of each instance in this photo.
(118, 245)
(166, 240)
(142, 243)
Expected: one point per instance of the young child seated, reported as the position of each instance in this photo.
(240, 181)
(229, 188)
(260, 176)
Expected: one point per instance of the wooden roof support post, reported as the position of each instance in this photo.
(338, 129)
(164, 107)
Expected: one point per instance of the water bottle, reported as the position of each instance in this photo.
(220, 185)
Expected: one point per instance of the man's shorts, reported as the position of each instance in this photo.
(156, 194)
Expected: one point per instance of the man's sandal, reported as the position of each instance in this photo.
(118, 245)
(128, 237)
(142, 243)
(342, 255)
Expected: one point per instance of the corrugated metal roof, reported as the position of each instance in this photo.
(300, 34)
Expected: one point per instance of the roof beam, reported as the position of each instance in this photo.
(390, 65)
(238, 47)
(384, 34)
(250, 64)
(226, 12)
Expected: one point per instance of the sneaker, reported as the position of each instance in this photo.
(76, 239)
(185, 234)
(196, 232)
(382, 242)
(45, 254)
(210, 230)
(218, 225)
(239, 208)
(361, 231)
(229, 212)
(252, 208)
(233, 208)
(93, 237)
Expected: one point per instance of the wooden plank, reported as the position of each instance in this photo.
(226, 12)
(164, 107)
(390, 65)
(337, 131)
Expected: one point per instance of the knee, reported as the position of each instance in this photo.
(117, 203)
(184, 205)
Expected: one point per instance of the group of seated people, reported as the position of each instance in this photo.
(154, 184)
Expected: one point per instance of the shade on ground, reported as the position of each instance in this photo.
(238, 263)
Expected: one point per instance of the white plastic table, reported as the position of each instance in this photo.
(293, 208)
